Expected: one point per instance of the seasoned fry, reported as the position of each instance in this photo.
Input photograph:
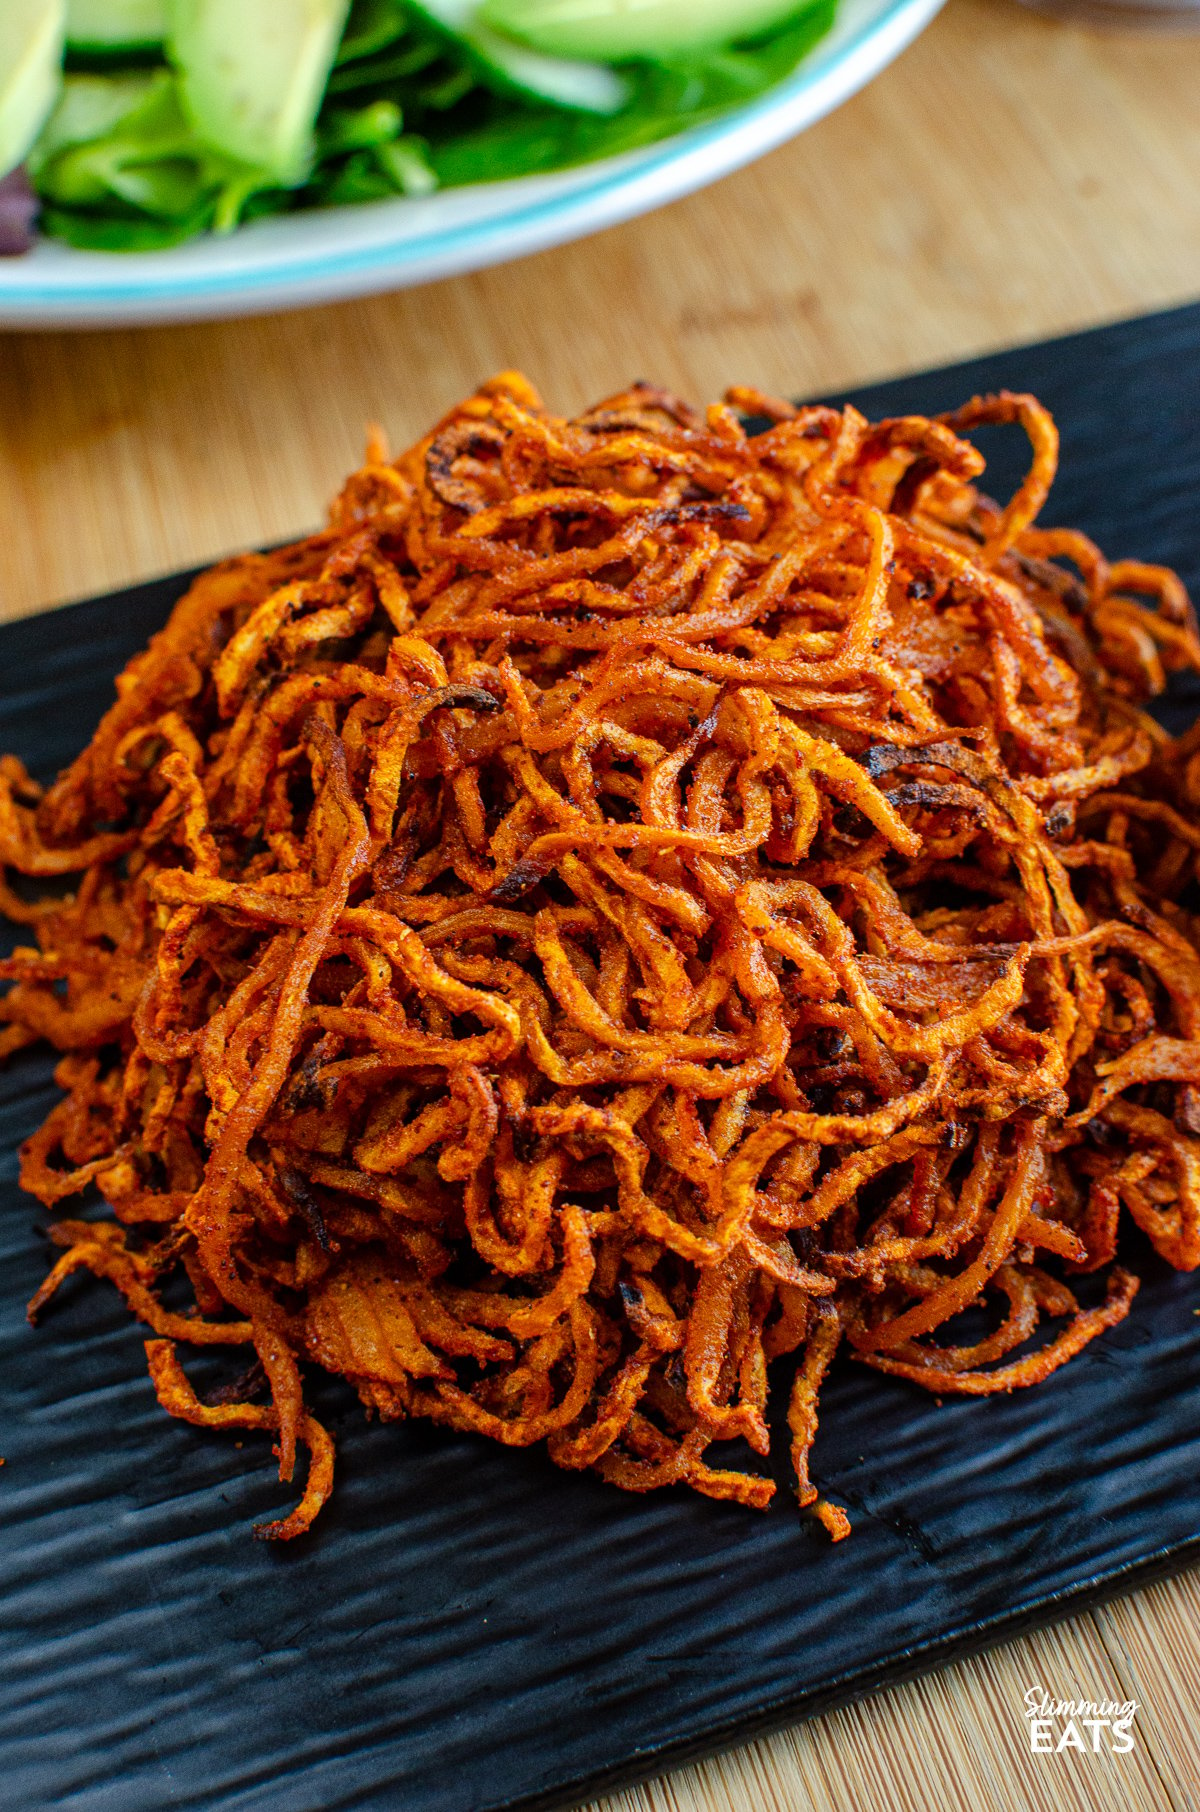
(635, 900)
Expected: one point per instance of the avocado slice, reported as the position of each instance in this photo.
(514, 69)
(31, 53)
(103, 27)
(252, 75)
(612, 30)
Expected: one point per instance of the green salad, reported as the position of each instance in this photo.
(135, 124)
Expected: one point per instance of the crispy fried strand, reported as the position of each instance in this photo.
(633, 901)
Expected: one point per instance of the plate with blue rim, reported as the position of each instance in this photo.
(328, 254)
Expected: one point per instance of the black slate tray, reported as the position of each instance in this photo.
(471, 1629)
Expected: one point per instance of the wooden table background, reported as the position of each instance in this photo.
(1007, 179)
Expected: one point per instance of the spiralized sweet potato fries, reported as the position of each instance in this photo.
(633, 900)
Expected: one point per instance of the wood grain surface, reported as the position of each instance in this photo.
(1007, 179)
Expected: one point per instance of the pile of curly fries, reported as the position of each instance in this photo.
(633, 899)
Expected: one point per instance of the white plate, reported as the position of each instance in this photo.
(328, 253)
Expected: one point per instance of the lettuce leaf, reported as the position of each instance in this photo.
(118, 167)
(666, 98)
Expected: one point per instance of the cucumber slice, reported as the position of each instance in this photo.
(88, 108)
(105, 27)
(616, 30)
(252, 73)
(120, 167)
(31, 51)
(515, 69)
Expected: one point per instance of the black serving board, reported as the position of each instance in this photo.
(470, 1629)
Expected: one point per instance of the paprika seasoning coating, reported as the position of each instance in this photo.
(637, 898)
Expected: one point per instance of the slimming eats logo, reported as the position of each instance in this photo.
(1058, 1724)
